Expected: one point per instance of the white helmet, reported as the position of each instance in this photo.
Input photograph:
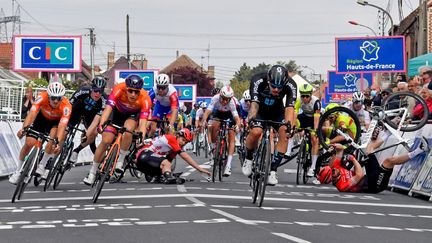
(203, 105)
(162, 79)
(246, 95)
(227, 92)
(358, 97)
(56, 89)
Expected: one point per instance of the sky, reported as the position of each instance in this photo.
(222, 33)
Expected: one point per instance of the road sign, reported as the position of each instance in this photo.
(186, 92)
(348, 82)
(47, 53)
(147, 75)
(369, 55)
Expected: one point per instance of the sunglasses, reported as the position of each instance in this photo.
(225, 98)
(53, 98)
(97, 90)
(133, 91)
(276, 87)
(161, 87)
(305, 96)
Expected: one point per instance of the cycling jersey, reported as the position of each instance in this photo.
(244, 109)
(362, 114)
(347, 122)
(309, 109)
(163, 146)
(164, 104)
(270, 104)
(347, 183)
(217, 107)
(62, 113)
(84, 106)
(118, 99)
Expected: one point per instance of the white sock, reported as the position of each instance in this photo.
(414, 153)
(290, 145)
(45, 159)
(94, 168)
(228, 164)
(122, 156)
(314, 160)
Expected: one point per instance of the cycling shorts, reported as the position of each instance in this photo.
(224, 116)
(161, 111)
(276, 118)
(76, 118)
(306, 121)
(149, 163)
(42, 125)
(377, 177)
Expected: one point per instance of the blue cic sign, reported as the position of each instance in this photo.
(348, 82)
(186, 92)
(147, 75)
(370, 55)
(47, 53)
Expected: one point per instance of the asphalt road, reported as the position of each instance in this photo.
(202, 211)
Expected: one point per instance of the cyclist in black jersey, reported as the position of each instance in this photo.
(88, 104)
(267, 92)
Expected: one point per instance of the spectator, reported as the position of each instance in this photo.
(427, 77)
(376, 94)
(426, 94)
(413, 86)
(402, 86)
(401, 78)
(368, 98)
(27, 102)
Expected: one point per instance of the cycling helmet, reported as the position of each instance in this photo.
(203, 105)
(227, 92)
(358, 97)
(134, 81)
(185, 133)
(325, 175)
(215, 91)
(99, 82)
(277, 76)
(331, 106)
(246, 95)
(162, 80)
(56, 89)
(305, 89)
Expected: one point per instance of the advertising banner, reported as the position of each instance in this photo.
(370, 54)
(186, 92)
(206, 99)
(148, 76)
(348, 82)
(47, 53)
(335, 97)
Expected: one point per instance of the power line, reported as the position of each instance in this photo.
(37, 21)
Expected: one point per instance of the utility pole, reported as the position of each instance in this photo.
(92, 48)
(422, 32)
(127, 41)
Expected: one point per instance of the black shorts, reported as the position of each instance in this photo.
(277, 117)
(149, 163)
(306, 121)
(224, 116)
(119, 118)
(76, 116)
(42, 125)
(377, 177)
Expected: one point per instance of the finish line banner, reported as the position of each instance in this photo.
(370, 55)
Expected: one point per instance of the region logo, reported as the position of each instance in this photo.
(350, 79)
(370, 50)
(47, 53)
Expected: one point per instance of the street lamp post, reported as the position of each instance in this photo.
(356, 23)
(365, 3)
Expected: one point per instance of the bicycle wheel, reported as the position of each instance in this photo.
(222, 159)
(216, 160)
(27, 170)
(325, 117)
(206, 147)
(300, 161)
(197, 145)
(264, 172)
(255, 174)
(64, 165)
(103, 176)
(307, 163)
(405, 100)
(53, 170)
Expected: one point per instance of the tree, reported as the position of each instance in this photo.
(188, 75)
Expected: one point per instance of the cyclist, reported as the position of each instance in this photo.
(88, 103)
(377, 176)
(156, 156)
(167, 103)
(223, 106)
(192, 116)
(49, 113)
(245, 104)
(126, 104)
(267, 92)
(310, 106)
(357, 105)
(342, 121)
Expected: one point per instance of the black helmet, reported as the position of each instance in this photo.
(277, 76)
(99, 82)
(215, 91)
(134, 81)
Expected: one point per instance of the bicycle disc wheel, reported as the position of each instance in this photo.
(53, 171)
(105, 174)
(405, 100)
(306, 164)
(255, 176)
(264, 172)
(221, 164)
(26, 172)
(325, 118)
(300, 161)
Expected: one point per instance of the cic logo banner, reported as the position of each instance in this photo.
(47, 53)
(186, 92)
